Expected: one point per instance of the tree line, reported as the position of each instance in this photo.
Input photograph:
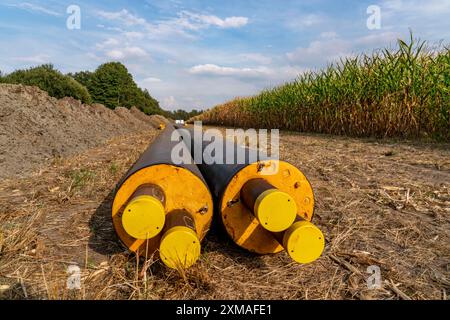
(110, 84)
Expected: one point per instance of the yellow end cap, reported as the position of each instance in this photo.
(304, 242)
(179, 247)
(275, 210)
(144, 217)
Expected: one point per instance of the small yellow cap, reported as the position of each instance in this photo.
(275, 210)
(304, 242)
(144, 217)
(179, 247)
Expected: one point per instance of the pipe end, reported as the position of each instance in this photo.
(179, 247)
(143, 217)
(275, 210)
(304, 242)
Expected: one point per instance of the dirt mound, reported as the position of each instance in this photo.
(127, 116)
(154, 120)
(35, 127)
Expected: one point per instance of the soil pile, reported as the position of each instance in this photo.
(35, 127)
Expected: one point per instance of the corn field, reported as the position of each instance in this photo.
(402, 92)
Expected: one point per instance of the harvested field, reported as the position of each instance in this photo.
(379, 202)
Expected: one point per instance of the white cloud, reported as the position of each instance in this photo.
(124, 16)
(115, 29)
(256, 57)
(120, 50)
(40, 59)
(35, 8)
(115, 54)
(151, 80)
(212, 69)
(286, 73)
(261, 75)
(320, 51)
(329, 35)
(184, 24)
(377, 40)
(126, 53)
(420, 7)
(211, 20)
(133, 35)
(305, 21)
(170, 103)
(108, 43)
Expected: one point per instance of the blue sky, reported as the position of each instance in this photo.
(195, 54)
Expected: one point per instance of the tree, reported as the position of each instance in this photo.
(112, 85)
(181, 114)
(83, 77)
(48, 79)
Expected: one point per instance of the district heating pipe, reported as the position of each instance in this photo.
(266, 206)
(162, 207)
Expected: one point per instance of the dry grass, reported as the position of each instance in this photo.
(378, 202)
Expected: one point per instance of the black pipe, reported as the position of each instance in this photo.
(160, 152)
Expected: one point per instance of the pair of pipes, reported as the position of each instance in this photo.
(164, 207)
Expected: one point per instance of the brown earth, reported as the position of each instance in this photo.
(379, 202)
(36, 128)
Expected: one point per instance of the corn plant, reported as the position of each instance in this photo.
(401, 92)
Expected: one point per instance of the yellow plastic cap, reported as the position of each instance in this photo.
(144, 217)
(304, 242)
(179, 247)
(275, 210)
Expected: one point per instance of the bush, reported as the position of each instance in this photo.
(48, 79)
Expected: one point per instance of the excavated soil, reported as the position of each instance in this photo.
(36, 128)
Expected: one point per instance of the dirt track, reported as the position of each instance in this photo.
(378, 203)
